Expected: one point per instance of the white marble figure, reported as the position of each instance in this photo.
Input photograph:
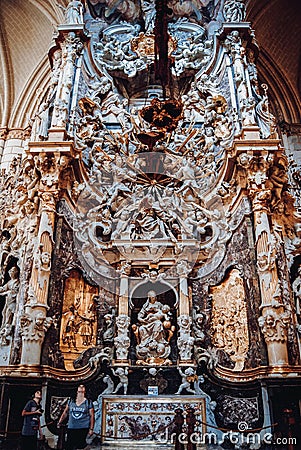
(73, 12)
(297, 290)
(110, 385)
(188, 376)
(266, 120)
(234, 11)
(149, 14)
(42, 263)
(10, 291)
(185, 340)
(108, 334)
(210, 407)
(152, 330)
(41, 123)
(122, 374)
(122, 340)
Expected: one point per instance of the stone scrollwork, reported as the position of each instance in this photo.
(229, 320)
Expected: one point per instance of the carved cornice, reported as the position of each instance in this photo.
(16, 133)
(63, 147)
(258, 373)
(87, 372)
(38, 371)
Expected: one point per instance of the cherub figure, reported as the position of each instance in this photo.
(188, 376)
(122, 374)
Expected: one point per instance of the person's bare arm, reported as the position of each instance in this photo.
(92, 420)
(40, 431)
(63, 416)
(31, 413)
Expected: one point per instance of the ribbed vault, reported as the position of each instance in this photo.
(278, 32)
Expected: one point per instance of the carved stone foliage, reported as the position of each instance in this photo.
(274, 326)
(229, 319)
(34, 328)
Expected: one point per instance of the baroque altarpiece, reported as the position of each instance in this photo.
(149, 231)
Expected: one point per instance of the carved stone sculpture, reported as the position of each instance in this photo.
(297, 290)
(185, 340)
(108, 334)
(122, 374)
(274, 327)
(10, 292)
(234, 10)
(34, 324)
(189, 377)
(266, 120)
(229, 324)
(153, 331)
(73, 12)
(122, 340)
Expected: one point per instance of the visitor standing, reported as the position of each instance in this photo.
(80, 414)
(31, 423)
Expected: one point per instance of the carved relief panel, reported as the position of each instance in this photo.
(79, 321)
(229, 319)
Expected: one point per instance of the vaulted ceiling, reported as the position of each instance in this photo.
(26, 31)
(277, 25)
